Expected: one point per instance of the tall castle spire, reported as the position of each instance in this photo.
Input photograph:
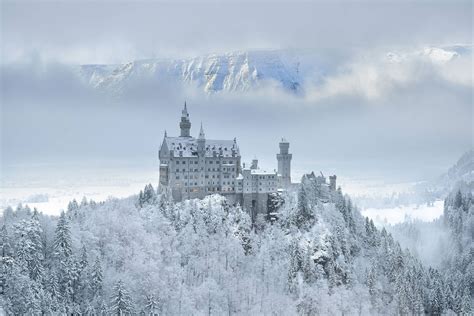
(201, 142)
(201, 133)
(185, 123)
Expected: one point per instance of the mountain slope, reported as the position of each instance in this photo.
(153, 256)
(239, 71)
(249, 70)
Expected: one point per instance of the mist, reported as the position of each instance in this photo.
(372, 107)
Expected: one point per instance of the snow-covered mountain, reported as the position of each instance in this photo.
(240, 71)
(248, 70)
(461, 172)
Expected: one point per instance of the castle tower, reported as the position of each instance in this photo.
(201, 154)
(185, 124)
(254, 164)
(201, 142)
(332, 182)
(284, 163)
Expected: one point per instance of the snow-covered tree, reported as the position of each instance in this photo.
(120, 301)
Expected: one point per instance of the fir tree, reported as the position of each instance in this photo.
(121, 302)
(458, 200)
(304, 214)
(466, 308)
(96, 279)
(62, 242)
(152, 305)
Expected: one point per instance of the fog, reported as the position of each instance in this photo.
(410, 130)
(363, 119)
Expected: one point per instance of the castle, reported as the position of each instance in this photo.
(195, 167)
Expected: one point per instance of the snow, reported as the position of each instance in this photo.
(400, 214)
(50, 187)
(262, 172)
(187, 147)
(236, 71)
(247, 70)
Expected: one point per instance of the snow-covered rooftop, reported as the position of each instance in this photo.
(187, 147)
(262, 172)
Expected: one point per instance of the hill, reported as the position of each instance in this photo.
(205, 257)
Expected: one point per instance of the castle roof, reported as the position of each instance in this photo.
(187, 147)
(262, 172)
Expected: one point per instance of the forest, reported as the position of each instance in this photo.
(146, 255)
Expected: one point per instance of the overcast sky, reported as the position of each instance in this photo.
(414, 119)
(106, 32)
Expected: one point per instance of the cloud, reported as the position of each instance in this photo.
(95, 31)
(376, 76)
(364, 112)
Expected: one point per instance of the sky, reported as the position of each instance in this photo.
(407, 121)
(102, 32)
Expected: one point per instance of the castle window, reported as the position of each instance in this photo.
(195, 162)
(184, 170)
(177, 170)
(177, 177)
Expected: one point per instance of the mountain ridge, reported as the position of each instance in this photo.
(243, 71)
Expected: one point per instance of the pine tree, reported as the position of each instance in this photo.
(152, 305)
(72, 207)
(304, 215)
(371, 281)
(82, 282)
(96, 280)
(35, 234)
(458, 200)
(65, 264)
(332, 278)
(29, 247)
(19, 298)
(437, 300)
(140, 201)
(418, 304)
(6, 260)
(62, 242)
(121, 302)
(308, 267)
(53, 288)
(84, 202)
(294, 266)
(466, 308)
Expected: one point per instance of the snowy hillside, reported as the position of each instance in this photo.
(248, 70)
(459, 176)
(463, 170)
(155, 257)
